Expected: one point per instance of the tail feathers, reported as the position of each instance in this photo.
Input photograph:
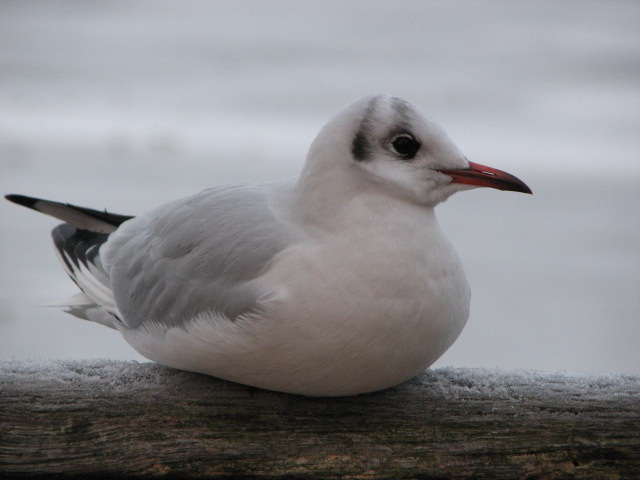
(78, 245)
(79, 252)
(81, 306)
(80, 217)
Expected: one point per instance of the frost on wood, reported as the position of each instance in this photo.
(96, 418)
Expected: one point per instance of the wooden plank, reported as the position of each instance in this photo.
(100, 419)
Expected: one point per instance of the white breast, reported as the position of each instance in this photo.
(343, 314)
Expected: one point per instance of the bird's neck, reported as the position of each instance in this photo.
(354, 205)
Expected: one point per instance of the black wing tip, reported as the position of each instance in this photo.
(23, 200)
(40, 205)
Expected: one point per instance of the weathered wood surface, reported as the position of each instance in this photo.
(104, 419)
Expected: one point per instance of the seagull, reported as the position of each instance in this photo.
(339, 283)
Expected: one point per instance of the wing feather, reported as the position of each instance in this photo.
(198, 254)
(78, 251)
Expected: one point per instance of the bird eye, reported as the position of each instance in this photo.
(405, 145)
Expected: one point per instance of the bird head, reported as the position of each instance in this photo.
(387, 143)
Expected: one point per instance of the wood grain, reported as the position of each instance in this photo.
(102, 419)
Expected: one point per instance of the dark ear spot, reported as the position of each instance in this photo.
(360, 147)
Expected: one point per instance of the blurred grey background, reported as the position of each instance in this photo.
(125, 105)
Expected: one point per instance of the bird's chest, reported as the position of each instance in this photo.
(385, 275)
(406, 275)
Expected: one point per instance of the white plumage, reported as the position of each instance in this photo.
(337, 284)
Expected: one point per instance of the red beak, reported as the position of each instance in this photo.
(483, 176)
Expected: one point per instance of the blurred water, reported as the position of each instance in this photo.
(126, 105)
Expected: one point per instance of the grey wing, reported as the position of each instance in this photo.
(198, 254)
